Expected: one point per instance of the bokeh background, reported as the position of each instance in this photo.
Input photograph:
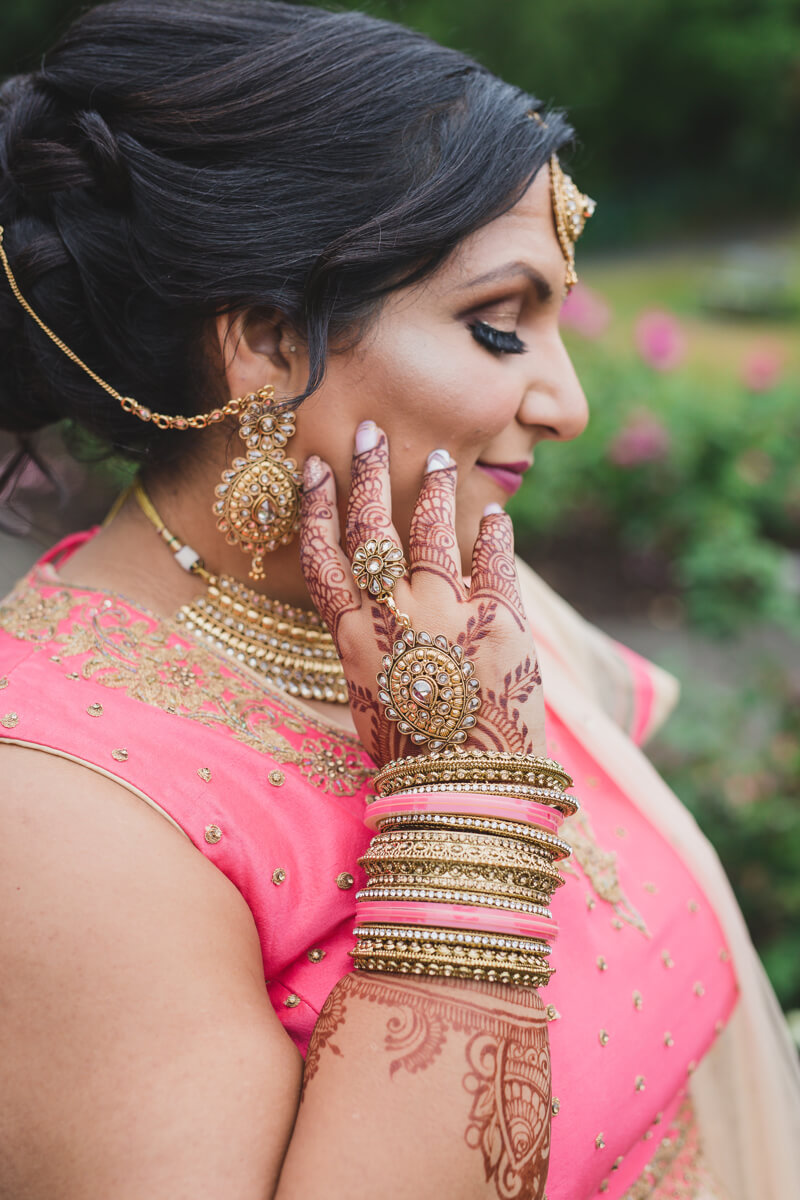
(674, 522)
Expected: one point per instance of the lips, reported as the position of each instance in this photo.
(508, 476)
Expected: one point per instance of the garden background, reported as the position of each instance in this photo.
(674, 522)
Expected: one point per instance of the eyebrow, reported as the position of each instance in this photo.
(543, 289)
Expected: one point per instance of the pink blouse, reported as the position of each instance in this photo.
(275, 797)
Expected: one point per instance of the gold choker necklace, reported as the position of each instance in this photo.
(291, 646)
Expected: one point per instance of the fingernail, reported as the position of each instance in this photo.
(313, 471)
(439, 460)
(366, 436)
(491, 509)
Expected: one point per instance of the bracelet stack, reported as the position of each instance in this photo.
(463, 866)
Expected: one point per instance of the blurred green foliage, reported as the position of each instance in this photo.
(688, 111)
(710, 488)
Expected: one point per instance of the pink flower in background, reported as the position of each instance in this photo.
(660, 340)
(586, 312)
(762, 367)
(643, 439)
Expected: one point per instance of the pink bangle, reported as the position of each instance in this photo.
(468, 804)
(456, 916)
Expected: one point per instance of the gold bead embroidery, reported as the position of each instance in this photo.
(638, 1000)
(278, 875)
(666, 958)
(95, 710)
(315, 955)
(600, 1142)
(552, 1013)
(276, 778)
(603, 1037)
(3, 682)
(55, 658)
(669, 1040)
(292, 1000)
(698, 989)
(602, 965)
(617, 1163)
(555, 1106)
(204, 773)
(10, 720)
(344, 880)
(604, 1186)
(650, 887)
(72, 675)
(639, 1085)
(120, 755)
(213, 834)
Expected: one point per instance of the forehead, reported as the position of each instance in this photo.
(527, 232)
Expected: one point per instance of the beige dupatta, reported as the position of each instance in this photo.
(746, 1090)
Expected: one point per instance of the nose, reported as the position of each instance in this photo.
(554, 402)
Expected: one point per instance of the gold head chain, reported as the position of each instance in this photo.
(126, 403)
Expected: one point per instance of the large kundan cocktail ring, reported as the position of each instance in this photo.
(426, 684)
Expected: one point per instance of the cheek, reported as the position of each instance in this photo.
(438, 388)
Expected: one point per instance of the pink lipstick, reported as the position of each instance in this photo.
(508, 476)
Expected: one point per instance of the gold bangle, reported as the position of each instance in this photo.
(453, 822)
(425, 937)
(454, 957)
(454, 876)
(462, 846)
(464, 766)
(451, 895)
(413, 966)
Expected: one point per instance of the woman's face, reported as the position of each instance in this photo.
(432, 375)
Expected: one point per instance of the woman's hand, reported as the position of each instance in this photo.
(487, 618)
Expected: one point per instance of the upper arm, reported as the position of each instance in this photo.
(141, 1056)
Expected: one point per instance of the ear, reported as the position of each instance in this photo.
(258, 347)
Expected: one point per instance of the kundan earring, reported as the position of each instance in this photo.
(258, 500)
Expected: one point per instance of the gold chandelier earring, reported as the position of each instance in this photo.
(258, 500)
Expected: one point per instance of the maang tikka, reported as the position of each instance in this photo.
(258, 500)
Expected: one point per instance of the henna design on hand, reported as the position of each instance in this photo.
(368, 506)
(494, 571)
(433, 545)
(329, 584)
(507, 1057)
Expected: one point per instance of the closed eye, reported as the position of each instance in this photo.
(498, 340)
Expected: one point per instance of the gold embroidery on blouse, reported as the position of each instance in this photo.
(676, 1170)
(152, 661)
(600, 868)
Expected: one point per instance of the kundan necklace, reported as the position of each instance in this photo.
(289, 645)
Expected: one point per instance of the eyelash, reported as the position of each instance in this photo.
(499, 340)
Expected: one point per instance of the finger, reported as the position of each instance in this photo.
(433, 544)
(369, 507)
(325, 567)
(494, 570)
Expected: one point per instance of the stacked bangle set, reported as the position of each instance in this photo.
(463, 866)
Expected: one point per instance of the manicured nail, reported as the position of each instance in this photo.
(439, 460)
(313, 471)
(366, 436)
(491, 509)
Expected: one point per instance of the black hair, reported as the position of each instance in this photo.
(173, 160)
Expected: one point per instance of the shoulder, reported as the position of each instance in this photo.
(126, 960)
